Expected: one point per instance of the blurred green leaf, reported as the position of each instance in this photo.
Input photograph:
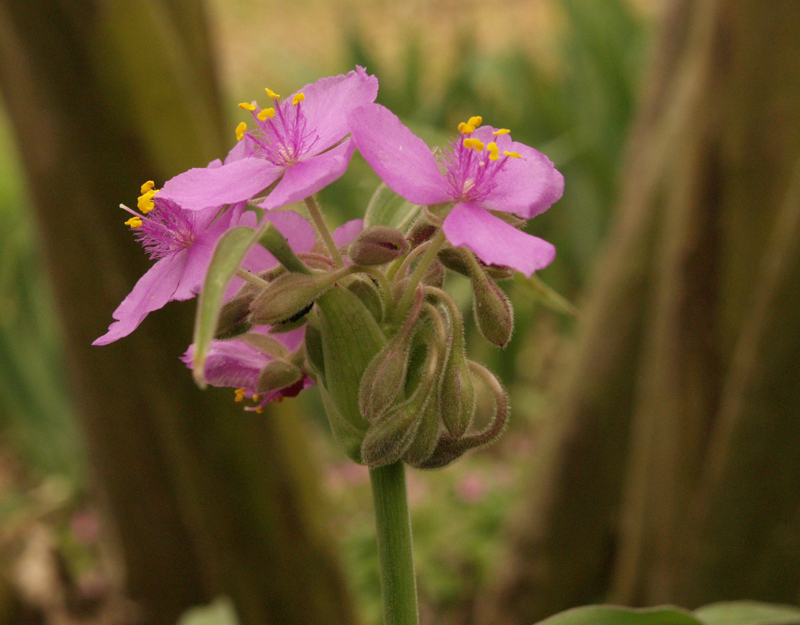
(386, 208)
(228, 255)
(611, 615)
(220, 612)
(748, 613)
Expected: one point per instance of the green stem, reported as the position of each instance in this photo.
(393, 525)
(422, 267)
(319, 222)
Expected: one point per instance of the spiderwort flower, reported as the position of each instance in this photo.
(482, 171)
(238, 364)
(298, 140)
(182, 243)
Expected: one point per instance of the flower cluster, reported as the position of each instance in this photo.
(361, 312)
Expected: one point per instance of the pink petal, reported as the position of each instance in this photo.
(344, 234)
(526, 186)
(305, 178)
(328, 101)
(152, 291)
(402, 160)
(494, 241)
(235, 181)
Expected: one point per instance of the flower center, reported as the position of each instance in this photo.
(281, 135)
(471, 166)
(166, 228)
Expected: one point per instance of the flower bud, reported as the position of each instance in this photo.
(493, 312)
(276, 375)
(377, 245)
(233, 318)
(457, 392)
(454, 258)
(421, 231)
(388, 439)
(434, 276)
(385, 376)
(450, 448)
(288, 296)
(365, 289)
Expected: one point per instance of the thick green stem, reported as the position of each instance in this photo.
(393, 524)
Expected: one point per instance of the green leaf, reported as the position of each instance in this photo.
(612, 615)
(228, 254)
(748, 613)
(386, 208)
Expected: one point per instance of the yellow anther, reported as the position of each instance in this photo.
(147, 186)
(259, 410)
(494, 151)
(298, 98)
(272, 94)
(474, 144)
(240, 130)
(134, 222)
(511, 154)
(475, 121)
(265, 114)
(247, 106)
(501, 131)
(239, 392)
(465, 128)
(145, 203)
(256, 397)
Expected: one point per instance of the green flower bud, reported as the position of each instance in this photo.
(434, 276)
(454, 258)
(457, 392)
(385, 377)
(450, 448)
(368, 293)
(377, 245)
(233, 318)
(276, 375)
(493, 312)
(286, 297)
(388, 439)
(421, 231)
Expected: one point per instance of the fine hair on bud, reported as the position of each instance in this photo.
(286, 297)
(233, 318)
(494, 315)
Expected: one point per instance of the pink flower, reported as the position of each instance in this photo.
(182, 243)
(299, 141)
(482, 172)
(237, 364)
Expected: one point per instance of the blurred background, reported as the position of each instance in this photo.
(652, 456)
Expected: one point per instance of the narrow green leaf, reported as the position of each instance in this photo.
(748, 613)
(612, 615)
(228, 254)
(386, 208)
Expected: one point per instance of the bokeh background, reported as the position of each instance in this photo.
(652, 452)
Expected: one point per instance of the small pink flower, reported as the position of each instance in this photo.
(481, 173)
(298, 142)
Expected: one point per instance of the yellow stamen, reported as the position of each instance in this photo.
(475, 121)
(272, 94)
(134, 222)
(145, 203)
(299, 97)
(259, 410)
(247, 106)
(511, 154)
(240, 130)
(501, 131)
(147, 186)
(494, 151)
(474, 144)
(265, 114)
(465, 128)
(239, 392)
(256, 397)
